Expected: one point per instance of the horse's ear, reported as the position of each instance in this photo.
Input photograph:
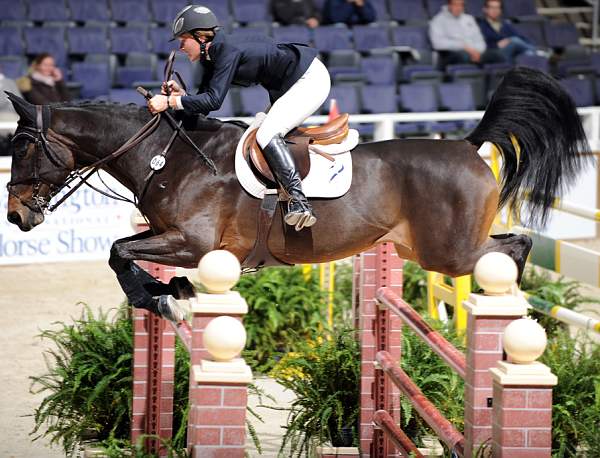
(23, 108)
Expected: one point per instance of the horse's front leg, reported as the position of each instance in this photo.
(143, 290)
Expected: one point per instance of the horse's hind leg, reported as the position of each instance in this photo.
(517, 246)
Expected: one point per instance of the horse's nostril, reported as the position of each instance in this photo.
(14, 218)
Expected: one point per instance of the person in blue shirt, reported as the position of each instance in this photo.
(297, 82)
(350, 12)
(499, 33)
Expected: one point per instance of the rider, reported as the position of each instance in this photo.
(297, 81)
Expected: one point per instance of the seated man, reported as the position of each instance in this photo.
(499, 33)
(301, 12)
(350, 12)
(457, 38)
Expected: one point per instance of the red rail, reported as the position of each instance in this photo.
(400, 440)
(454, 358)
(432, 416)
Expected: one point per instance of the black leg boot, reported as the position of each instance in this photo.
(281, 163)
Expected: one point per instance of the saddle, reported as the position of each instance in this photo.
(298, 141)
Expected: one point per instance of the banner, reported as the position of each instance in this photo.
(82, 228)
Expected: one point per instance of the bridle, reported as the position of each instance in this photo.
(37, 135)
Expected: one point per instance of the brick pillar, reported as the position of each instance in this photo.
(487, 318)
(379, 330)
(218, 391)
(153, 370)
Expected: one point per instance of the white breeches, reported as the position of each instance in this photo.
(298, 103)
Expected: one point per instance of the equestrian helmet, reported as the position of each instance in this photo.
(194, 17)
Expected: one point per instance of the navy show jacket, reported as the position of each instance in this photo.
(244, 62)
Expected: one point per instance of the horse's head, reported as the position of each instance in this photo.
(40, 165)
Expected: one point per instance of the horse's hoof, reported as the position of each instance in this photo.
(169, 309)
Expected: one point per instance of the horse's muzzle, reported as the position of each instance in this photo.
(23, 217)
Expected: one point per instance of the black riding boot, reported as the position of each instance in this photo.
(279, 158)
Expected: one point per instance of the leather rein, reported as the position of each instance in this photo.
(41, 204)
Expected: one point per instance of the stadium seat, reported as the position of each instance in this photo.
(581, 90)
(434, 6)
(108, 59)
(139, 67)
(11, 41)
(84, 40)
(521, 10)
(13, 66)
(456, 96)
(253, 32)
(47, 40)
(185, 69)
(379, 99)
(292, 34)
(249, 11)
(163, 11)
(221, 10)
(48, 10)
(421, 73)
(126, 96)
(533, 61)
(129, 39)
(380, 69)
(89, 10)
(408, 11)
(418, 97)
(94, 78)
(130, 10)
(346, 96)
(226, 110)
(331, 37)
(475, 8)
(533, 31)
(560, 34)
(12, 11)
(370, 37)
(473, 75)
(159, 39)
(381, 10)
(344, 65)
(253, 99)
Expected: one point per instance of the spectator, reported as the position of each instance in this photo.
(499, 34)
(7, 112)
(350, 12)
(457, 38)
(44, 83)
(301, 12)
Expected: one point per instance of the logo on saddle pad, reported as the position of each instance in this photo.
(327, 172)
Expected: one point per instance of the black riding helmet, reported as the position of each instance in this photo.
(194, 17)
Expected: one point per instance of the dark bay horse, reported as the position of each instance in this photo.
(434, 199)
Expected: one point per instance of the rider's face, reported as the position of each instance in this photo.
(190, 47)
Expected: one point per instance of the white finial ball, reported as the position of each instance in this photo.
(495, 272)
(219, 271)
(224, 338)
(524, 340)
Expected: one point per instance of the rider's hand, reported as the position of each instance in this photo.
(174, 88)
(158, 103)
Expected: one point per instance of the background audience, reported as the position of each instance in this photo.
(302, 12)
(349, 12)
(44, 83)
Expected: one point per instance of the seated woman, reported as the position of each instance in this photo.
(297, 81)
(44, 83)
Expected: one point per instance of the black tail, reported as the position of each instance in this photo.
(536, 110)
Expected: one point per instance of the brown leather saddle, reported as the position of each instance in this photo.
(298, 141)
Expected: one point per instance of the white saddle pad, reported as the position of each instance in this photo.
(325, 179)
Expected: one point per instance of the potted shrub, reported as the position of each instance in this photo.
(325, 377)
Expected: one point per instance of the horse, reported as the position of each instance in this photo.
(435, 200)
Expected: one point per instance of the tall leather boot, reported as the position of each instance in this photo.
(279, 158)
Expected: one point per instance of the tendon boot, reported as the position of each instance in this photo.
(281, 163)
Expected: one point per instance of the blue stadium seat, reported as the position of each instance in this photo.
(13, 67)
(408, 11)
(163, 11)
(474, 76)
(130, 10)
(84, 40)
(139, 67)
(226, 109)
(89, 10)
(533, 31)
(48, 10)
(159, 38)
(248, 11)
(347, 99)
(47, 39)
(344, 65)
(581, 90)
(330, 37)
(434, 6)
(254, 32)
(522, 10)
(595, 62)
(418, 97)
(416, 39)
(220, 8)
(475, 7)
(421, 73)
(12, 11)
(560, 34)
(533, 61)
(456, 96)
(380, 69)
(253, 99)
(126, 96)
(94, 78)
(292, 34)
(129, 39)
(370, 37)
(381, 10)
(379, 99)
(183, 66)
(11, 41)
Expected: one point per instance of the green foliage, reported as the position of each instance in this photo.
(414, 286)
(565, 293)
(576, 398)
(88, 383)
(282, 305)
(325, 377)
(438, 382)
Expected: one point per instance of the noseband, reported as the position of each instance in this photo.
(37, 135)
